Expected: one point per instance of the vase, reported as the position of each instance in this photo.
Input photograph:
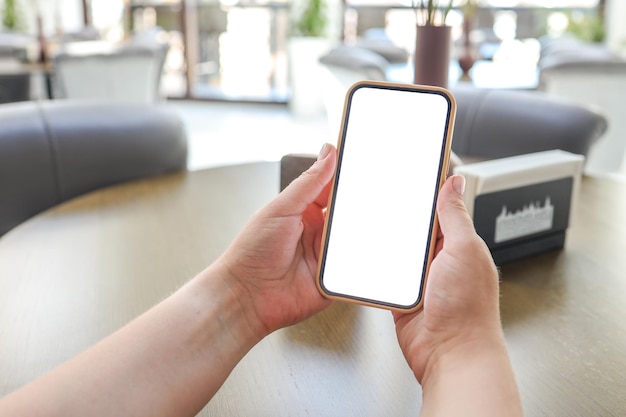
(467, 59)
(432, 55)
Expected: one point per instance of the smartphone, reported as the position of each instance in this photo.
(381, 224)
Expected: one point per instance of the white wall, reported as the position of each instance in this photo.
(615, 28)
(616, 36)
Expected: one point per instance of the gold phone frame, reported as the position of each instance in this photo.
(444, 167)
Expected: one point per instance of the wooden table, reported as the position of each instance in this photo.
(76, 273)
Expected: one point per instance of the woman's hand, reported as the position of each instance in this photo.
(273, 262)
(455, 345)
(461, 302)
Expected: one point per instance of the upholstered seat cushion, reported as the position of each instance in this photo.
(354, 58)
(392, 53)
(495, 123)
(53, 151)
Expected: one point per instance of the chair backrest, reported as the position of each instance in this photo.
(494, 123)
(15, 82)
(126, 75)
(14, 87)
(155, 40)
(594, 83)
(342, 66)
(56, 150)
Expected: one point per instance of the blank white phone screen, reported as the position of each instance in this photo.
(383, 204)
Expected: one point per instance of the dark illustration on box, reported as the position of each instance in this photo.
(509, 216)
(533, 218)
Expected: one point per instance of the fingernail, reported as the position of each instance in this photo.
(324, 152)
(458, 184)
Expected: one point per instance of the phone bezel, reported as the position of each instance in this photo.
(443, 170)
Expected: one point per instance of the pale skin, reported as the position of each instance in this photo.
(173, 359)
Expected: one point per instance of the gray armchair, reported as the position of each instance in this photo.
(592, 75)
(130, 74)
(494, 123)
(14, 87)
(15, 81)
(53, 151)
(491, 123)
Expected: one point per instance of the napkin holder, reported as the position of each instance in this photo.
(521, 205)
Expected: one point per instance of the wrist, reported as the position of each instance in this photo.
(224, 298)
(474, 343)
(475, 371)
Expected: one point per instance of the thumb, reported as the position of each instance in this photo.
(312, 185)
(453, 217)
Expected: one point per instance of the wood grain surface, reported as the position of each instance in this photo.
(78, 272)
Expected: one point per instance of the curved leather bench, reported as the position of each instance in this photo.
(492, 123)
(53, 151)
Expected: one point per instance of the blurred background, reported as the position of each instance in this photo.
(238, 49)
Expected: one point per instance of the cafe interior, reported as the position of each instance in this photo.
(137, 138)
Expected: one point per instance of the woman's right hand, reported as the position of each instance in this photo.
(455, 345)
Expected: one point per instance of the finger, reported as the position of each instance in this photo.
(453, 217)
(322, 199)
(312, 185)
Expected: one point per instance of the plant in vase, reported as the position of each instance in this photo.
(432, 42)
(431, 12)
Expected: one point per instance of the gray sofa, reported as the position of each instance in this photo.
(491, 123)
(494, 123)
(55, 150)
